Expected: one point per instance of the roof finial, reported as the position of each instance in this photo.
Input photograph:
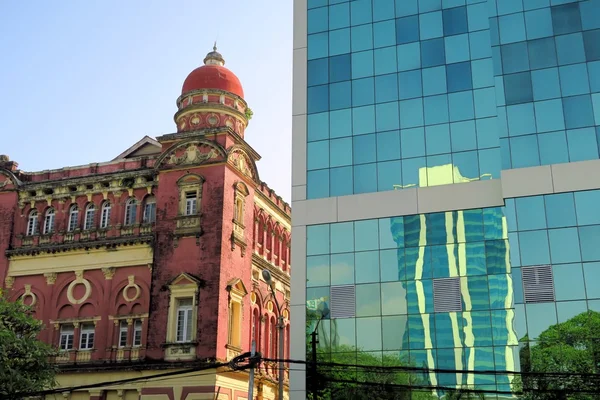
(214, 57)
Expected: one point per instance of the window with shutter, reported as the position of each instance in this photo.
(446, 295)
(538, 284)
(343, 301)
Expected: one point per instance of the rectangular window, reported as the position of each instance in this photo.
(150, 213)
(123, 330)
(538, 284)
(343, 301)
(190, 203)
(446, 295)
(137, 333)
(184, 320)
(86, 341)
(67, 333)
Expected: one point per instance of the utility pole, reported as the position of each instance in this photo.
(251, 381)
(281, 326)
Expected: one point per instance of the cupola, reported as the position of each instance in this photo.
(212, 97)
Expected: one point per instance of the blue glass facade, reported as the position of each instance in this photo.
(427, 92)
(415, 93)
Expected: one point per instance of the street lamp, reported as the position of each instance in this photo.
(267, 277)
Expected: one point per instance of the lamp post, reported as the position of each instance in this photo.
(280, 325)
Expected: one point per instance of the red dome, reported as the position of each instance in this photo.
(213, 77)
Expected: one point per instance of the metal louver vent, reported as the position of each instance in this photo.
(342, 300)
(446, 295)
(538, 284)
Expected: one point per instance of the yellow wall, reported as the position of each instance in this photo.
(80, 260)
(130, 391)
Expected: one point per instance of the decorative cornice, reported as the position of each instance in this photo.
(276, 272)
(64, 247)
(200, 92)
(213, 107)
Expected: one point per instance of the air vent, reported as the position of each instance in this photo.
(446, 295)
(343, 300)
(538, 285)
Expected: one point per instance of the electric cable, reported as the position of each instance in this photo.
(234, 364)
(438, 370)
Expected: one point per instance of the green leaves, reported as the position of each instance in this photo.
(25, 362)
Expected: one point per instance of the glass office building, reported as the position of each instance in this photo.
(446, 184)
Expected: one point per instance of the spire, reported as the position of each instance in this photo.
(214, 57)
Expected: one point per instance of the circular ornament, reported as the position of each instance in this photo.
(195, 119)
(213, 119)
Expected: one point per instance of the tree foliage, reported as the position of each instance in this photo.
(342, 382)
(570, 348)
(25, 362)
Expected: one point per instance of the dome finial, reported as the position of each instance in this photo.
(214, 57)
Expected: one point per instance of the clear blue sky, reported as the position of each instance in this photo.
(81, 81)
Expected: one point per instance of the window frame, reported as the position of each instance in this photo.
(105, 212)
(123, 332)
(66, 331)
(149, 214)
(186, 312)
(32, 223)
(130, 212)
(138, 326)
(73, 222)
(90, 215)
(49, 219)
(191, 203)
(87, 336)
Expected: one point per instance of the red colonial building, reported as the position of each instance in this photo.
(152, 262)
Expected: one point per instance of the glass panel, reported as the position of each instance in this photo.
(368, 300)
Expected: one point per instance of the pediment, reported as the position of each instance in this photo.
(184, 279)
(8, 180)
(236, 285)
(144, 147)
(240, 160)
(191, 152)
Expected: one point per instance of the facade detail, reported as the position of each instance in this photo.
(151, 262)
(446, 182)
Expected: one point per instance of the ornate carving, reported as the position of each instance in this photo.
(131, 285)
(109, 273)
(241, 161)
(193, 155)
(79, 280)
(9, 281)
(50, 278)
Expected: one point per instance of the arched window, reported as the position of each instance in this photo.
(49, 221)
(267, 337)
(73, 217)
(130, 211)
(273, 331)
(255, 332)
(90, 214)
(105, 215)
(32, 223)
(149, 210)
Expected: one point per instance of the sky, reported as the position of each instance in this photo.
(81, 81)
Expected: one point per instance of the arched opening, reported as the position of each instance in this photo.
(73, 217)
(49, 221)
(149, 210)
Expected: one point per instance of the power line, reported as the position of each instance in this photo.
(436, 370)
(233, 365)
